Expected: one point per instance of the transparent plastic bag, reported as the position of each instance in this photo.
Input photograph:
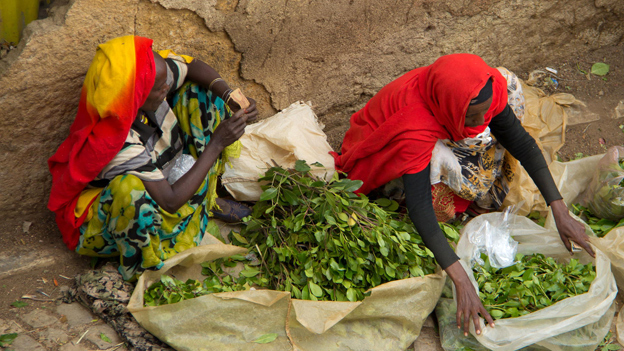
(493, 238)
(451, 337)
(605, 194)
(584, 338)
(182, 165)
(576, 323)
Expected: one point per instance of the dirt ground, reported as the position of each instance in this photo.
(600, 95)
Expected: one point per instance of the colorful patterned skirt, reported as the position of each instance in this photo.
(127, 222)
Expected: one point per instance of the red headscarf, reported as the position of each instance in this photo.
(395, 133)
(117, 84)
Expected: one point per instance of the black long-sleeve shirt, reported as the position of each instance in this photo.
(520, 144)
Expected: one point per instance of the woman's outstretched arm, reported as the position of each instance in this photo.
(509, 132)
(420, 206)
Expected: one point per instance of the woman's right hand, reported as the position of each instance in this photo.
(469, 305)
(230, 129)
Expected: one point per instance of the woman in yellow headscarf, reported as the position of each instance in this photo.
(138, 113)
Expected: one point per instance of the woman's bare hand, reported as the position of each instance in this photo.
(469, 305)
(569, 228)
(230, 129)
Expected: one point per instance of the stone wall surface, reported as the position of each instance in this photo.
(334, 53)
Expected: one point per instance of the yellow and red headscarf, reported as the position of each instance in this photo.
(117, 84)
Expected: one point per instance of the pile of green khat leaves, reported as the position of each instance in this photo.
(317, 240)
(600, 226)
(531, 284)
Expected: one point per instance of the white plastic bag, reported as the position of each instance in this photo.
(576, 323)
(292, 134)
(493, 238)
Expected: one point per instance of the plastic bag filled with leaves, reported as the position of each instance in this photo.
(575, 323)
(605, 194)
(316, 252)
(600, 226)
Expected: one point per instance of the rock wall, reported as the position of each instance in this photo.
(335, 53)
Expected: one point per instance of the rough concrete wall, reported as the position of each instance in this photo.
(335, 53)
(40, 85)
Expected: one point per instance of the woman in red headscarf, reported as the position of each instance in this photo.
(458, 97)
(139, 113)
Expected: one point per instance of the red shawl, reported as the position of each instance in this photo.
(395, 133)
(117, 84)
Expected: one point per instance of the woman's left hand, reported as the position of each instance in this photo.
(569, 228)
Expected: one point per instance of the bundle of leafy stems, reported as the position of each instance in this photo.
(600, 226)
(317, 240)
(532, 283)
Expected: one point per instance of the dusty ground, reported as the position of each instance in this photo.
(41, 246)
(601, 96)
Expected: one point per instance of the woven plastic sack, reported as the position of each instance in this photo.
(292, 134)
(604, 195)
(576, 323)
(389, 319)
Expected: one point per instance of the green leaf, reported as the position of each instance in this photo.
(343, 216)
(450, 232)
(330, 220)
(249, 272)
(351, 295)
(266, 338)
(7, 339)
(393, 206)
(301, 166)
(347, 185)
(384, 251)
(240, 238)
(105, 338)
(290, 197)
(497, 314)
(600, 69)
(315, 289)
(268, 194)
(19, 304)
(383, 202)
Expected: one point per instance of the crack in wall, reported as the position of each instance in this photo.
(136, 17)
(279, 31)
